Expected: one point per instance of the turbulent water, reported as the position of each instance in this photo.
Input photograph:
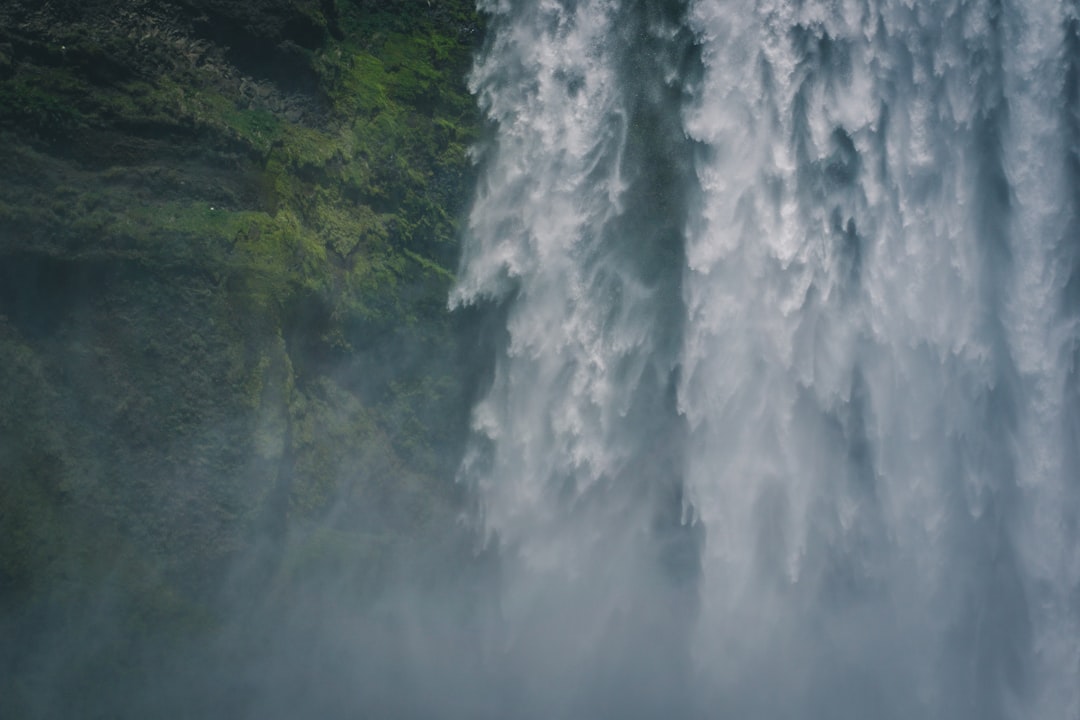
(785, 420)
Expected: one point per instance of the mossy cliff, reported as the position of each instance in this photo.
(227, 231)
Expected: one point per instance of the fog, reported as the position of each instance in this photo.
(768, 334)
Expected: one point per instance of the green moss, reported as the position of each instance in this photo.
(258, 127)
(248, 354)
(41, 100)
(184, 219)
(354, 80)
(328, 426)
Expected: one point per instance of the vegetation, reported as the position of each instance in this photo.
(227, 230)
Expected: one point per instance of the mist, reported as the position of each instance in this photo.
(753, 393)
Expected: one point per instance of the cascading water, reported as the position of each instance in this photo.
(786, 422)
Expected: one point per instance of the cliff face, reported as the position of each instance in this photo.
(229, 379)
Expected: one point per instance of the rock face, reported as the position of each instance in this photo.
(229, 379)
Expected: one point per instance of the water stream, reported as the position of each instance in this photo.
(785, 422)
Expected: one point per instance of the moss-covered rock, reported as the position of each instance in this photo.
(226, 234)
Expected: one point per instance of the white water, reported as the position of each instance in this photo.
(785, 423)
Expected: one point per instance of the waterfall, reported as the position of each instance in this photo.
(785, 416)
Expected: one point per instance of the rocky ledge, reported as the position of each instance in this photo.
(229, 379)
